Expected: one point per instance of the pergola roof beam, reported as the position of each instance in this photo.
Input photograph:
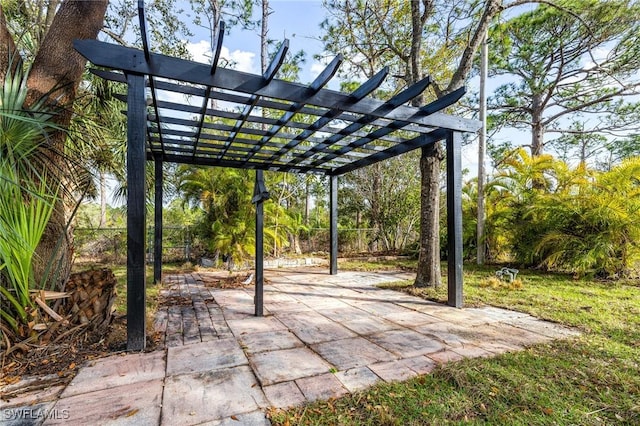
(207, 91)
(127, 59)
(393, 151)
(147, 57)
(443, 102)
(388, 106)
(205, 161)
(321, 80)
(363, 90)
(269, 75)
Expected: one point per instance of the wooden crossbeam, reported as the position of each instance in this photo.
(445, 101)
(365, 89)
(269, 75)
(207, 91)
(321, 80)
(129, 60)
(147, 57)
(388, 106)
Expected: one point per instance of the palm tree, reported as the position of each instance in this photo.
(593, 226)
(26, 202)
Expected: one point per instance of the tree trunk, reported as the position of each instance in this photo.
(55, 74)
(429, 257)
(103, 200)
(537, 127)
(9, 56)
(307, 202)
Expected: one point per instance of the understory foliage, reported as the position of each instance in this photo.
(227, 224)
(543, 213)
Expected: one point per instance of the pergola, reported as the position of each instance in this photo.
(259, 122)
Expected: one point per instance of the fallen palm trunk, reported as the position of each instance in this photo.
(92, 297)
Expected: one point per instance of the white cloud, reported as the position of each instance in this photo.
(200, 51)
(240, 60)
(316, 68)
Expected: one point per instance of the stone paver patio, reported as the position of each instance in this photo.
(322, 336)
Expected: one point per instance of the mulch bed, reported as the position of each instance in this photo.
(63, 358)
(232, 281)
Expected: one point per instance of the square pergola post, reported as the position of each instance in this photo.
(136, 220)
(157, 235)
(454, 220)
(333, 225)
(260, 194)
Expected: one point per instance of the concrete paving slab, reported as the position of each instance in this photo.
(371, 325)
(255, 325)
(471, 351)
(544, 328)
(135, 404)
(426, 306)
(255, 418)
(284, 395)
(445, 356)
(382, 308)
(449, 334)
(190, 399)
(117, 370)
(285, 307)
(287, 364)
(508, 334)
(311, 327)
(238, 312)
(411, 318)
(493, 314)
(459, 316)
(353, 352)
(324, 386)
(213, 355)
(393, 371)
(420, 364)
(406, 343)
(497, 348)
(357, 379)
(269, 341)
(345, 314)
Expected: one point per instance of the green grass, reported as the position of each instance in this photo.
(590, 380)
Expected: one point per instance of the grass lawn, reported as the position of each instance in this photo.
(590, 380)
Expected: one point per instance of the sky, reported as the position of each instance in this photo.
(299, 21)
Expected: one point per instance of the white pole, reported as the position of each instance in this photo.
(482, 144)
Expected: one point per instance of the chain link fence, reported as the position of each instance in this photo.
(109, 245)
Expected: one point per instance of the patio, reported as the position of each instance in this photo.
(322, 336)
